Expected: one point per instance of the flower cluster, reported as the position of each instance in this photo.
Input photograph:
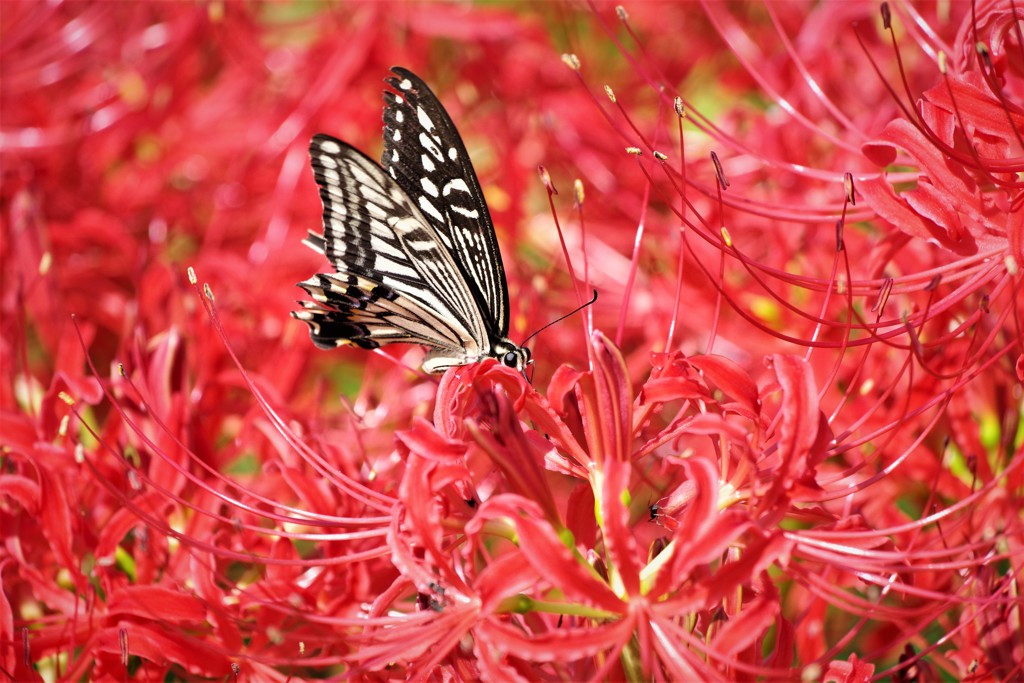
(785, 443)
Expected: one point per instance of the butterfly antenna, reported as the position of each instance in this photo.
(558, 320)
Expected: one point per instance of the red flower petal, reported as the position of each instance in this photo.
(163, 649)
(618, 534)
(744, 629)
(21, 489)
(157, 603)
(423, 439)
(547, 552)
(798, 431)
(612, 411)
(555, 645)
(853, 671)
(665, 389)
(58, 524)
(503, 578)
(728, 376)
(562, 383)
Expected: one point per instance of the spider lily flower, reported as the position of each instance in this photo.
(591, 596)
(964, 139)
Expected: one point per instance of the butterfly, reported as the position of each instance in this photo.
(411, 241)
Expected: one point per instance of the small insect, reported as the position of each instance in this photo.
(411, 241)
(655, 510)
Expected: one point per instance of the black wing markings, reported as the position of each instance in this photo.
(425, 154)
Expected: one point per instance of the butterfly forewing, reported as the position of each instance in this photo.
(425, 154)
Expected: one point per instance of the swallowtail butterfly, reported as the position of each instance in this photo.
(411, 240)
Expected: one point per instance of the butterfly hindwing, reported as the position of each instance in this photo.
(425, 154)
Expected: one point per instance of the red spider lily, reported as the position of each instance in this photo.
(792, 453)
(541, 570)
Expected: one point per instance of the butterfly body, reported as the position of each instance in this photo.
(411, 240)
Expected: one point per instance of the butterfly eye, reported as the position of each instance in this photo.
(511, 359)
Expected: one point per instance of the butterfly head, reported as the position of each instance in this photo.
(512, 356)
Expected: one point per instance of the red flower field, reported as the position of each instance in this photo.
(786, 442)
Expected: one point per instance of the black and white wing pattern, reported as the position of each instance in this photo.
(424, 153)
(412, 242)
